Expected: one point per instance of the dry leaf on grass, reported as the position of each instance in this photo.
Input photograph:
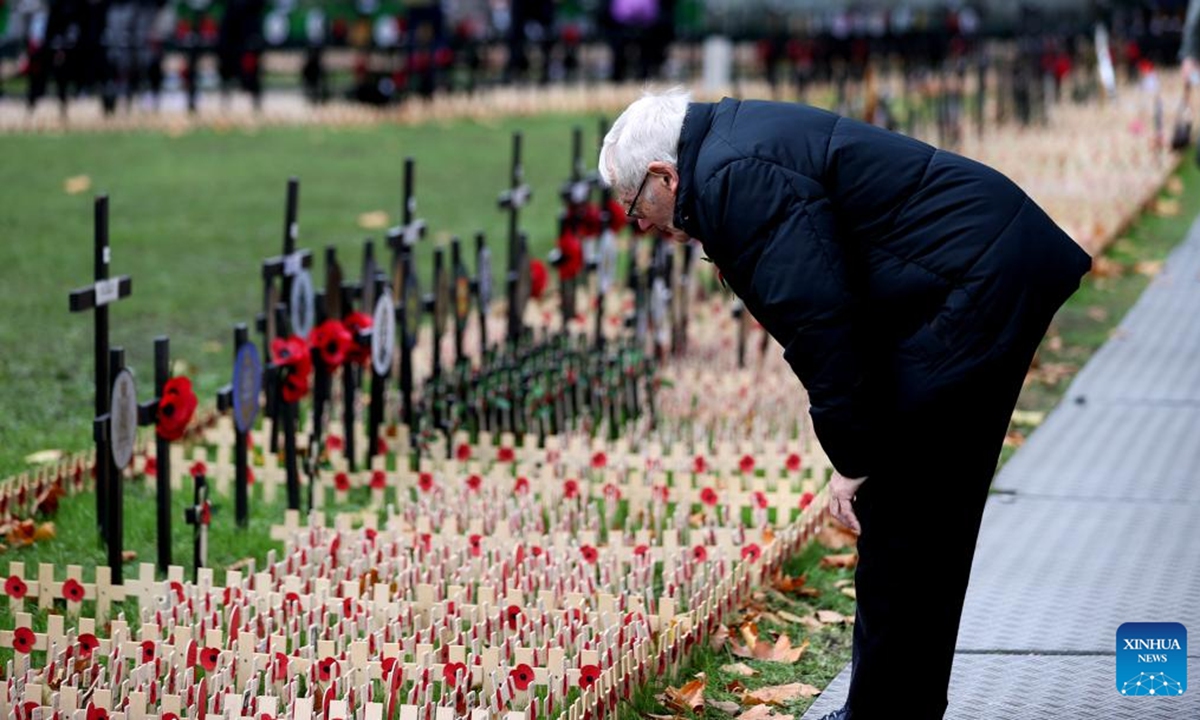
(790, 617)
(782, 651)
(727, 706)
(1097, 313)
(1149, 268)
(762, 712)
(797, 585)
(835, 536)
(77, 184)
(375, 220)
(1106, 267)
(776, 694)
(741, 669)
(43, 456)
(845, 560)
(850, 593)
(720, 636)
(1165, 207)
(749, 633)
(1014, 439)
(684, 699)
(843, 583)
(832, 617)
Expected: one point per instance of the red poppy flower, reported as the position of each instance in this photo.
(450, 673)
(760, 499)
(537, 278)
(249, 474)
(599, 460)
(588, 676)
(358, 323)
(206, 513)
(462, 452)
(371, 534)
(641, 550)
(425, 481)
(209, 657)
(513, 616)
(751, 552)
(612, 492)
(88, 644)
(173, 716)
(94, 712)
(522, 677)
(521, 486)
(699, 553)
(150, 469)
(474, 482)
(381, 446)
(147, 651)
(281, 667)
(793, 462)
(589, 553)
(176, 408)
(571, 489)
(326, 669)
(389, 665)
(425, 540)
(708, 496)
(177, 589)
(806, 500)
(662, 493)
(506, 454)
(295, 387)
(15, 587)
(378, 480)
(535, 550)
(746, 464)
(332, 341)
(476, 544)
(197, 469)
(334, 442)
(72, 591)
(292, 597)
(293, 356)
(570, 255)
(27, 710)
(23, 640)
(341, 481)
(699, 464)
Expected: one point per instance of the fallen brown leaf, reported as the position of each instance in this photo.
(781, 651)
(790, 617)
(77, 184)
(1106, 267)
(726, 706)
(749, 633)
(789, 583)
(843, 583)
(836, 536)
(850, 593)
(1149, 268)
(45, 531)
(128, 555)
(373, 220)
(687, 698)
(832, 617)
(762, 712)
(1097, 313)
(1166, 207)
(720, 636)
(741, 669)
(845, 560)
(1014, 439)
(776, 694)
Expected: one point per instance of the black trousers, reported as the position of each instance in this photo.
(920, 515)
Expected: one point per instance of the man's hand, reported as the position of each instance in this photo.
(841, 492)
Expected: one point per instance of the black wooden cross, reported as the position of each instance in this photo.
(97, 297)
(199, 516)
(148, 415)
(403, 240)
(437, 302)
(241, 398)
(462, 300)
(482, 287)
(116, 432)
(512, 200)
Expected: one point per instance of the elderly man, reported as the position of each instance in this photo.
(909, 288)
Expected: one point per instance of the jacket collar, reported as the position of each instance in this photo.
(696, 122)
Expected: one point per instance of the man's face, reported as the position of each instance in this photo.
(655, 206)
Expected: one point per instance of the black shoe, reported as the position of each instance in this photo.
(840, 714)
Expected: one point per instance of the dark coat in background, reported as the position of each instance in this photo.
(891, 272)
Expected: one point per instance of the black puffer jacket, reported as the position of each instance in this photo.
(889, 271)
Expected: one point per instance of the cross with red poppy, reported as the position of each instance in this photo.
(97, 297)
(199, 516)
(512, 200)
(247, 382)
(402, 240)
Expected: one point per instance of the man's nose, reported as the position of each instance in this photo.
(644, 224)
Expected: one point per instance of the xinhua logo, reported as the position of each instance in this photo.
(1152, 659)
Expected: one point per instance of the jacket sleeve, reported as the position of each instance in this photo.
(775, 230)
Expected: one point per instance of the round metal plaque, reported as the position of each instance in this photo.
(123, 419)
(608, 260)
(383, 333)
(302, 305)
(247, 384)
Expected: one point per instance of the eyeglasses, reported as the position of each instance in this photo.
(629, 211)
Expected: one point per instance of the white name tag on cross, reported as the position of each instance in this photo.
(412, 231)
(293, 264)
(107, 291)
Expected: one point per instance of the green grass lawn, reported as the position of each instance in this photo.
(191, 219)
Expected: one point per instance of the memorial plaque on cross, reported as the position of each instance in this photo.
(512, 200)
(241, 397)
(116, 429)
(97, 297)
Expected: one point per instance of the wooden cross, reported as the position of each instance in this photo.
(148, 415)
(482, 287)
(512, 200)
(116, 430)
(241, 397)
(97, 297)
(403, 241)
(199, 516)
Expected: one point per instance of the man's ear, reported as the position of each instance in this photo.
(666, 171)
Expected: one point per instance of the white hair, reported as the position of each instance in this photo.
(648, 131)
